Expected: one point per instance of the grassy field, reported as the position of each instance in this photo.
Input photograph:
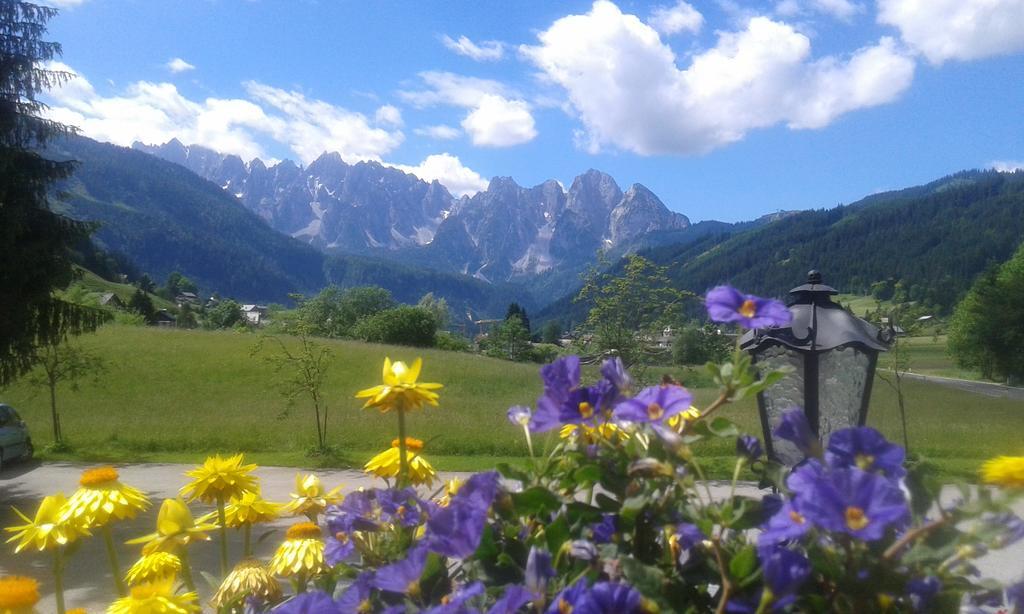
(175, 396)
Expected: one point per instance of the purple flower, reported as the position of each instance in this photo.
(401, 505)
(456, 530)
(310, 602)
(519, 415)
(1015, 595)
(727, 304)
(793, 427)
(602, 598)
(787, 524)
(654, 404)
(455, 603)
(538, 570)
(561, 376)
(1009, 528)
(604, 531)
(403, 576)
(338, 547)
(784, 571)
(749, 447)
(358, 512)
(688, 535)
(922, 591)
(615, 597)
(356, 597)
(770, 505)
(515, 597)
(615, 372)
(855, 502)
(867, 449)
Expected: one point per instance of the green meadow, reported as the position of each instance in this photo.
(175, 396)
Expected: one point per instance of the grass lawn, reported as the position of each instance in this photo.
(175, 396)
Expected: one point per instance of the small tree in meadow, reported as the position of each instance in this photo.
(301, 372)
(64, 363)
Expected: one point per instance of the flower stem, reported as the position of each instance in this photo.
(186, 569)
(108, 537)
(58, 577)
(735, 478)
(403, 459)
(223, 536)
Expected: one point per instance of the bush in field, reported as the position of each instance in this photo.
(452, 342)
(696, 345)
(403, 325)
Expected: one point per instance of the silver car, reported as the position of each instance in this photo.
(15, 442)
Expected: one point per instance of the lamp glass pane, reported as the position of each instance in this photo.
(842, 375)
(786, 394)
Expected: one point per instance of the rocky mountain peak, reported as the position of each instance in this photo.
(503, 232)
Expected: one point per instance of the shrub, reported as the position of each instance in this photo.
(400, 325)
(452, 342)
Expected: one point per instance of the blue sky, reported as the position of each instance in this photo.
(726, 110)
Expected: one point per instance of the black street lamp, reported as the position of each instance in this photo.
(832, 356)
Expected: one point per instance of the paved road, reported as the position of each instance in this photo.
(89, 583)
(988, 389)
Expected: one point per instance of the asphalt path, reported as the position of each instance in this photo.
(89, 583)
(989, 389)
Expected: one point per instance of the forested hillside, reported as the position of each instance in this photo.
(927, 243)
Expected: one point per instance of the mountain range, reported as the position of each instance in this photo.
(259, 234)
(504, 233)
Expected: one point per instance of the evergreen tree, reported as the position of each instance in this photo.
(515, 310)
(141, 304)
(987, 329)
(34, 241)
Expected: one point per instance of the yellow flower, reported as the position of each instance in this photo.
(1004, 471)
(682, 419)
(301, 552)
(590, 434)
(155, 598)
(250, 509)
(101, 497)
(76, 611)
(153, 567)
(250, 578)
(175, 528)
(400, 389)
(46, 530)
(451, 487)
(310, 498)
(18, 595)
(220, 479)
(387, 464)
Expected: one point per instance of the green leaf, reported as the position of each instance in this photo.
(587, 474)
(723, 427)
(556, 533)
(744, 563)
(535, 501)
(513, 473)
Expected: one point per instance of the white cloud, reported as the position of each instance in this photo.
(157, 112)
(440, 131)
(497, 117)
(623, 81)
(388, 115)
(1007, 166)
(450, 172)
(484, 51)
(957, 29)
(452, 89)
(499, 122)
(178, 65)
(674, 19)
